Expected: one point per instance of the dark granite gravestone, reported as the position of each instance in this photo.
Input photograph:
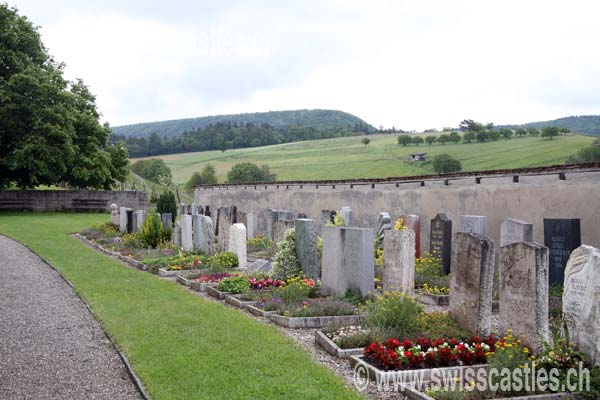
(561, 236)
(440, 239)
(207, 211)
(129, 220)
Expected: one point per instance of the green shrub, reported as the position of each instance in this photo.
(295, 290)
(440, 324)
(225, 259)
(234, 284)
(393, 311)
(152, 231)
(285, 263)
(166, 203)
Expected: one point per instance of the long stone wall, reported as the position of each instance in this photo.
(571, 194)
(70, 200)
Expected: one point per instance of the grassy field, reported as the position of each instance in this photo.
(181, 346)
(348, 158)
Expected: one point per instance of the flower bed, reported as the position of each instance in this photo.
(423, 353)
(314, 322)
(259, 312)
(326, 343)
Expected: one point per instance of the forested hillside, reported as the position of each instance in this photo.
(323, 120)
(588, 124)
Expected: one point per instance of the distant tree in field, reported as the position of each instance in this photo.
(166, 203)
(417, 140)
(445, 164)
(468, 125)
(494, 134)
(482, 135)
(153, 169)
(506, 133)
(533, 132)
(564, 131)
(468, 137)
(248, 172)
(443, 138)
(521, 132)
(550, 132)
(454, 137)
(50, 131)
(207, 176)
(365, 141)
(404, 140)
(430, 139)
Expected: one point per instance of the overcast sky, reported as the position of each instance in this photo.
(413, 64)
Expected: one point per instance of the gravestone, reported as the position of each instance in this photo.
(471, 282)
(177, 232)
(114, 214)
(265, 223)
(134, 221)
(129, 213)
(285, 215)
(237, 243)
(440, 239)
(204, 239)
(260, 265)
(515, 231)
(561, 236)
(207, 211)
(384, 222)
(306, 247)
(581, 300)
(251, 225)
(413, 222)
(327, 217)
(399, 261)
(167, 221)
(348, 263)
(140, 216)
(182, 209)
(123, 219)
(347, 216)
(187, 243)
(477, 224)
(524, 292)
(224, 222)
(194, 208)
(279, 229)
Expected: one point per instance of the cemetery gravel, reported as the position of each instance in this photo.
(51, 347)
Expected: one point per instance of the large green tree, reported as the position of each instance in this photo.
(248, 172)
(49, 127)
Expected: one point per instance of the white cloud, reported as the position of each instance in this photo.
(412, 64)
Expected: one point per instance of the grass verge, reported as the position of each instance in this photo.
(181, 346)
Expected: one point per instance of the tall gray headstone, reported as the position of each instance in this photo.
(114, 214)
(306, 247)
(187, 243)
(477, 224)
(581, 300)
(194, 208)
(123, 219)
(204, 239)
(279, 229)
(140, 216)
(440, 240)
(167, 221)
(237, 243)
(561, 236)
(471, 282)
(224, 222)
(384, 223)
(348, 263)
(524, 292)
(251, 225)
(515, 231)
(347, 216)
(177, 232)
(182, 209)
(399, 261)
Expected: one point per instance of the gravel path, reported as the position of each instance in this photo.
(51, 347)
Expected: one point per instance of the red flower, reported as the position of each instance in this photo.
(392, 343)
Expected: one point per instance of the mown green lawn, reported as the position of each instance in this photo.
(180, 345)
(346, 158)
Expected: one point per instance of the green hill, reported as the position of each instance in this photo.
(586, 124)
(346, 157)
(317, 119)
